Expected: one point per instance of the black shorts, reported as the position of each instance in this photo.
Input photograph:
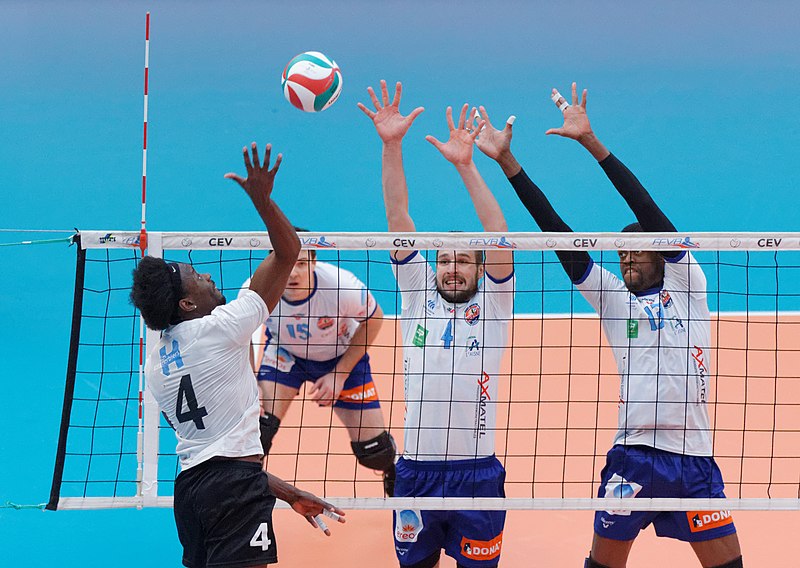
(223, 511)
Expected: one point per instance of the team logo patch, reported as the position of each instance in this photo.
(706, 520)
(472, 314)
(473, 346)
(633, 329)
(407, 525)
(666, 299)
(481, 549)
(620, 488)
(325, 322)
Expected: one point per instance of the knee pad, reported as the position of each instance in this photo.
(735, 563)
(268, 425)
(377, 453)
(591, 563)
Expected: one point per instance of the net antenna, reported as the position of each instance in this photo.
(143, 248)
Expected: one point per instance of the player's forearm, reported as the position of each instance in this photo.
(363, 338)
(509, 164)
(281, 489)
(489, 212)
(647, 212)
(575, 263)
(596, 148)
(282, 236)
(395, 188)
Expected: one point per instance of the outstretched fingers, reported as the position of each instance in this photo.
(574, 93)
(277, 165)
(484, 115)
(449, 114)
(384, 93)
(374, 98)
(237, 178)
(256, 161)
(398, 91)
(435, 142)
(412, 116)
(267, 152)
(248, 165)
(583, 99)
(365, 110)
(477, 130)
(462, 117)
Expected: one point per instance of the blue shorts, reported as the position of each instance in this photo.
(643, 472)
(358, 392)
(473, 538)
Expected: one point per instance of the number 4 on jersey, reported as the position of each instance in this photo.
(194, 413)
(261, 538)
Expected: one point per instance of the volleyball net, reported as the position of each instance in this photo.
(559, 388)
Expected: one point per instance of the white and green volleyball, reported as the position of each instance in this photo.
(311, 81)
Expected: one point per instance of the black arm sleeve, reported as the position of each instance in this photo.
(650, 216)
(576, 263)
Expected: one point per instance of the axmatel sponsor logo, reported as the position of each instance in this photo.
(317, 242)
(220, 241)
(483, 397)
(404, 243)
(493, 242)
(769, 243)
(679, 242)
(702, 371)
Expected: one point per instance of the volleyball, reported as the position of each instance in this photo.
(311, 81)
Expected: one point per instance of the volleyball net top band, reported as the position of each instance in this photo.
(558, 385)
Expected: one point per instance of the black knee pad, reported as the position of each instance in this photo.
(591, 563)
(735, 563)
(377, 453)
(268, 424)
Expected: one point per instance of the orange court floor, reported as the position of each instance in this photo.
(556, 409)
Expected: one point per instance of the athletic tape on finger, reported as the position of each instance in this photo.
(331, 514)
(322, 525)
(560, 101)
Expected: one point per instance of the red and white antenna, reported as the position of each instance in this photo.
(143, 232)
(143, 248)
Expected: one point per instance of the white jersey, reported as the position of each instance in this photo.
(661, 340)
(451, 362)
(199, 373)
(320, 327)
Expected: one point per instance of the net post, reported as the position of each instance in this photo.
(148, 487)
(72, 368)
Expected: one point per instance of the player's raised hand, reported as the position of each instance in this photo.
(326, 390)
(576, 122)
(492, 142)
(260, 178)
(390, 124)
(458, 148)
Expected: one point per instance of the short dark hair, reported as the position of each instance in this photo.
(152, 293)
(633, 228)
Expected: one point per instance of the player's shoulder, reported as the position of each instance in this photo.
(330, 273)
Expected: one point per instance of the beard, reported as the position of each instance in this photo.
(457, 296)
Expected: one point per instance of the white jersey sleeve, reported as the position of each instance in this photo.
(238, 320)
(414, 278)
(684, 274)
